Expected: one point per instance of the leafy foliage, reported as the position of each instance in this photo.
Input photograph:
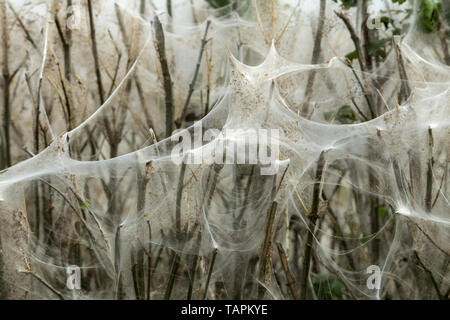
(377, 48)
(347, 4)
(328, 287)
(384, 211)
(430, 14)
(218, 3)
(386, 21)
(352, 55)
(344, 115)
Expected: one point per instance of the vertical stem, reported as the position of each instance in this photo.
(6, 88)
(36, 115)
(197, 68)
(315, 56)
(366, 35)
(442, 37)
(194, 268)
(289, 277)
(266, 252)
(355, 39)
(374, 219)
(167, 81)
(313, 216)
(67, 44)
(178, 200)
(119, 281)
(429, 190)
(25, 30)
(95, 53)
(169, 7)
(177, 256)
(149, 262)
(405, 90)
(173, 272)
(359, 51)
(142, 8)
(211, 266)
(3, 284)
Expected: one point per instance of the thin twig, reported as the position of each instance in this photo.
(443, 38)
(261, 27)
(313, 217)
(338, 229)
(169, 7)
(288, 21)
(428, 271)
(430, 163)
(173, 273)
(167, 81)
(359, 110)
(149, 260)
(179, 198)
(266, 250)
(438, 192)
(95, 54)
(194, 268)
(405, 90)
(211, 266)
(45, 283)
(355, 39)
(22, 25)
(6, 86)
(197, 68)
(366, 34)
(315, 56)
(289, 277)
(429, 238)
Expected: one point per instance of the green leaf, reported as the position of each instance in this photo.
(218, 3)
(344, 115)
(328, 287)
(399, 1)
(430, 13)
(386, 21)
(383, 212)
(365, 238)
(382, 54)
(347, 4)
(352, 55)
(328, 115)
(376, 48)
(85, 205)
(397, 32)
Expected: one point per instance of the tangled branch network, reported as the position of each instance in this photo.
(352, 202)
